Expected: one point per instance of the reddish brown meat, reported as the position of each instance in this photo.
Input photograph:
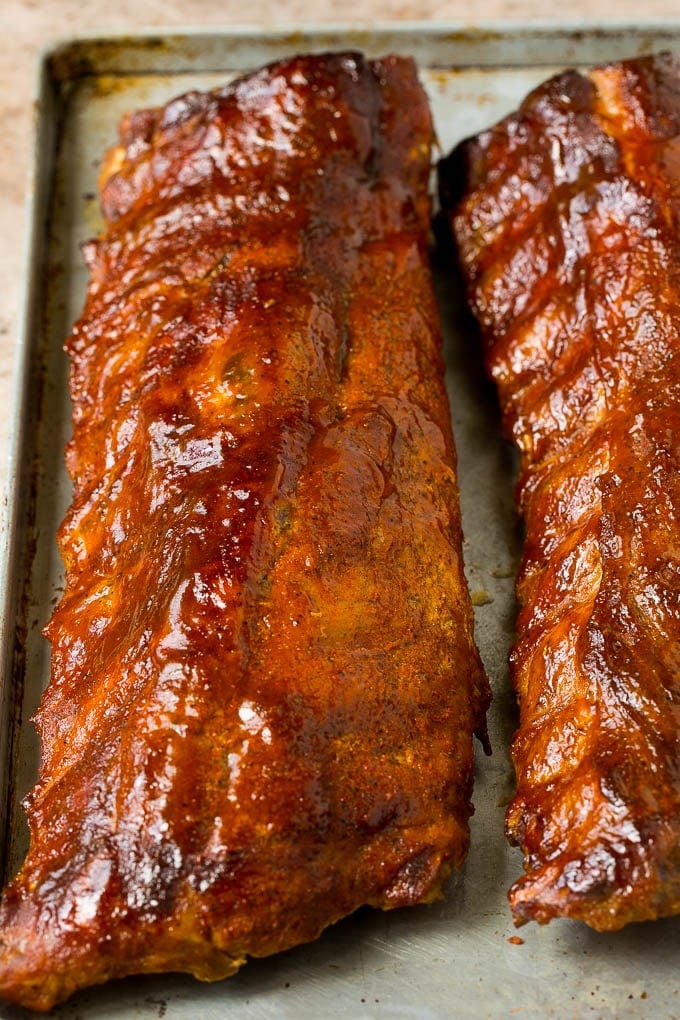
(567, 216)
(264, 683)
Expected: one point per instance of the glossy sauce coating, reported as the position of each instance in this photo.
(264, 683)
(567, 218)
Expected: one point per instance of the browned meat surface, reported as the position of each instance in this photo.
(264, 683)
(567, 218)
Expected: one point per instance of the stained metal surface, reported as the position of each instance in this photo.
(452, 959)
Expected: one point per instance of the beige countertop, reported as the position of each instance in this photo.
(31, 26)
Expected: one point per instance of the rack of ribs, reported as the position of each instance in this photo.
(566, 217)
(264, 683)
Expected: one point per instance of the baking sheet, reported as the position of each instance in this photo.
(452, 959)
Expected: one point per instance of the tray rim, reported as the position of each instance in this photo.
(15, 557)
(58, 56)
(15, 519)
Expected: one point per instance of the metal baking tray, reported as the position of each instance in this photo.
(452, 959)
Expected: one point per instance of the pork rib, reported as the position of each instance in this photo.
(567, 218)
(264, 683)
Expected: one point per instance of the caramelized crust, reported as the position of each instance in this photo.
(567, 218)
(264, 683)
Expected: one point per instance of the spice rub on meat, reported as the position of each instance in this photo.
(566, 216)
(264, 682)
